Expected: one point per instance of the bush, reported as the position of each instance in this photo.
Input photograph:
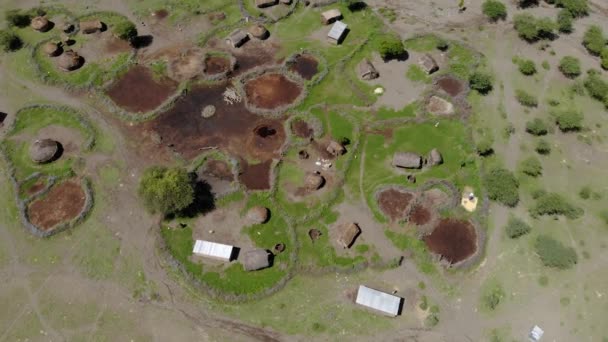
(484, 147)
(585, 193)
(531, 166)
(553, 253)
(442, 45)
(543, 147)
(481, 81)
(527, 67)
(604, 57)
(569, 121)
(9, 41)
(502, 187)
(16, 18)
(536, 127)
(517, 227)
(546, 28)
(125, 30)
(546, 65)
(564, 21)
(391, 46)
(570, 66)
(530, 28)
(525, 98)
(554, 204)
(577, 8)
(594, 40)
(492, 297)
(494, 10)
(597, 87)
(166, 190)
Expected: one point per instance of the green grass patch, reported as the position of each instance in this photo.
(416, 74)
(408, 111)
(421, 255)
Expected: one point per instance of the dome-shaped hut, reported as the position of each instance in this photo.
(70, 60)
(41, 24)
(44, 150)
(314, 181)
(258, 215)
(51, 49)
(258, 31)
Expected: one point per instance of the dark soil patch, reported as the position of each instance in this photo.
(271, 91)
(160, 14)
(219, 169)
(454, 240)
(306, 66)
(36, 188)
(420, 215)
(451, 85)
(63, 203)
(301, 129)
(394, 203)
(257, 176)
(115, 45)
(138, 91)
(216, 65)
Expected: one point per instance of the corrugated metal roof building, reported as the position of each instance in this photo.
(383, 302)
(213, 250)
(536, 334)
(336, 33)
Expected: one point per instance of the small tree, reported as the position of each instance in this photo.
(594, 40)
(527, 67)
(543, 147)
(536, 127)
(554, 204)
(564, 21)
(166, 190)
(553, 253)
(125, 30)
(546, 27)
(495, 10)
(517, 227)
(492, 297)
(484, 147)
(604, 56)
(570, 66)
(578, 8)
(16, 18)
(525, 98)
(481, 81)
(569, 120)
(531, 166)
(9, 41)
(442, 44)
(596, 87)
(525, 25)
(502, 187)
(391, 46)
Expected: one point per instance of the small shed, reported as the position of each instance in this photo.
(258, 31)
(428, 63)
(367, 71)
(407, 160)
(70, 60)
(41, 24)
(348, 234)
(51, 49)
(256, 259)
(330, 16)
(434, 158)
(44, 150)
(337, 32)
(335, 148)
(237, 38)
(258, 215)
(213, 250)
(382, 302)
(536, 334)
(314, 181)
(265, 3)
(90, 26)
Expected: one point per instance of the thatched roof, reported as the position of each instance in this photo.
(40, 24)
(91, 26)
(335, 148)
(314, 181)
(51, 49)
(258, 215)
(237, 38)
(258, 31)
(434, 157)
(330, 16)
(43, 151)
(367, 71)
(407, 160)
(70, 60)
(428, 63)
(255, 259)
(265, 3)
(437, 105)
(348, 233)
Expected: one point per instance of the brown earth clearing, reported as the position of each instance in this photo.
(305, 66)
(451, 85)
(216, 65)
(256, 176)
(454, 240)
(394, 203)
(139, 91)
(63, 203)
(271, 91)
(36, 187)
(420, 215)
(301, 129)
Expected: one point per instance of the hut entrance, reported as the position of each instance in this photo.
(265, 131)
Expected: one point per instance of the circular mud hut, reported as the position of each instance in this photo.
(44, 151)
(51, 49)
(70, 60)
(40, 24)
(314, 181)
(258, 31)
(258, 215)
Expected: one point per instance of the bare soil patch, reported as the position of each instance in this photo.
(36, 187)
(216, 65)
(451, 85)
(256, 176)
(185, 63)
(63, 203)
(420, 215)
(218, 174)
(454, 240)
(271, 91)
(305, 66)
(301, 129)
(219, 169)
(138, 91)
(394, 203)
(160, 14)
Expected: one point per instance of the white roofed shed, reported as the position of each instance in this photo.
(379, 301)
(536, 334)
(337, 32)
(213, 250)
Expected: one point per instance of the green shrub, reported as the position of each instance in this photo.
(125, 30)
(166, 190)
(546, 65)
(564, 21)
(543, 147)
(492, 297)
(585, 192)
(481, 81)
(484, 147)
(553, 253)
(527, 67)
(554, 204)
(604, 216)
(525, 98)
(594, 40)
(502, 186)
(17, 18)
(391, 46)
(538, 193)
(9, 41)
(597, 87)
(569, 120)
(577, 8)
(536, 127)
(543, 280)
(604, 56)
(424, 303)
(517, 227)
(531, 166)
(442, 44)
(495, 10)
(570, 66)
(530, 28)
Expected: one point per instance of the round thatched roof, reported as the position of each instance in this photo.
(51, 49)
(258, 214)
(435, 157)
(314, 181)
(258, 31)
(70, 60)
(40, 24)
(43, 151)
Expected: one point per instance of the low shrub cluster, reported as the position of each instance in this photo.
(597, 87)
(550, 203)
(492, 297)
(495, 10)
(536, 127)
(569, 120)
(570, 66)
(564, 21)
(481, 81)
(531, 166)
(526, 67)
(532, 29)
(525, 98)
(543, 147)
(502, 187)
(553, 253)
(594, 40)
(9, 41)
(517, 227)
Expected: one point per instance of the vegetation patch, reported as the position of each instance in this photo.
(553, 253)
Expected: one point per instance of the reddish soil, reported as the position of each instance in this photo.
(216, 65)
(114, 45)
(257, 176)
(62, 203)
(420, 215)
(270, 91)
(451, 85)
(393, 203)
(160, 14)
(306, 66)
(138, 91)
(301, 129)
(34, 189)
(453, 239)
(219, 169)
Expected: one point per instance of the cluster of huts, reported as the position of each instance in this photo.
(239, 37)
(411, 160)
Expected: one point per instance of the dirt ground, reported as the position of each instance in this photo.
(271, 91)
(394, 203)
(62, 203)
(454, 240)
(392, 74)
(306, 66)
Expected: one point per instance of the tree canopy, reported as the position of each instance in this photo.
(502, 187)
(594, 40)
(481, 81)
(125, 30)
(9, 41)
(391, 46)
(166, 190)
(495, 10)
(570, 66)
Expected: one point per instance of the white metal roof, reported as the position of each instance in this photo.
(337, 30)
(212, 249)
(378, 300)
(536, 333)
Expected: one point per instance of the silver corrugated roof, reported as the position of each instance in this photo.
(337, 30)
(378, 300)
(212, 249)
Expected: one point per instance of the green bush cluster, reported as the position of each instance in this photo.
(551, 203)
(481, 81)
(495, 10)
(125, 30)
(564, 21)
(536, 127)
(9, 41)
(17, 18)
(166, 190)
(502, 186)
(597, 87)
(531, 28)
(577, 8)
(526, 67)
(543, 147)
(531, 166)
(585, 192)
(390, 46)
(484, 147)
(570, 66)
(525, 98)
(594, 40)
(569, 120)
(604, 56)
(553, 253)
(492, 297)
(517, 227)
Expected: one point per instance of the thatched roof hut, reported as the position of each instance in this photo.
(330, 16)
(314, 181)
(335, 148)
(438, 105)
(367, 71)
(237, 38)
(41, 24)
(255, 259)
(428, 63)
(44, 150)
(258, 31)
(258, 215)
(407, 160)
(91, 26)
(265, 3)
(348, 233)
(434, 157)
(70, 60)
(51, 49)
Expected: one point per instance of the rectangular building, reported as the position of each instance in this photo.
(383, 302)
(336, 34)
(213, 250)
